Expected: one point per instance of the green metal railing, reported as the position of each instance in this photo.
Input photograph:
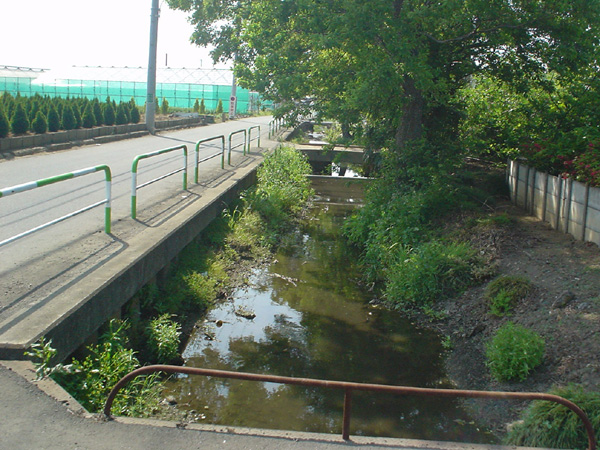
(245, 133)
(274, 126)
(257, 127)
(56, 179)
(134, 169)
(198, 160)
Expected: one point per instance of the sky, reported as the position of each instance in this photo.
(62, 33)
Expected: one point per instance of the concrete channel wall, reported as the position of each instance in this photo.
(567, 205)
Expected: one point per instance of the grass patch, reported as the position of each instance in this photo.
(503, 292)
(550, 425)
(514, 352)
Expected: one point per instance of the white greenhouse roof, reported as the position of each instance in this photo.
(212, 76)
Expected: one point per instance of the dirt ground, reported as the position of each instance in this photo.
(563, 307)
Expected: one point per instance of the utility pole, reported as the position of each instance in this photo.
(151, 84)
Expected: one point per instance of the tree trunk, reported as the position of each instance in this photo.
(411, 122)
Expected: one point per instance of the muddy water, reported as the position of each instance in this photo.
(314, 320)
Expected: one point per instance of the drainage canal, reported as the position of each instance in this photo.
(306, 315)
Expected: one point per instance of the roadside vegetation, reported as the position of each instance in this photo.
(156, 320)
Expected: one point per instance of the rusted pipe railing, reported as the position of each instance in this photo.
(348, 387)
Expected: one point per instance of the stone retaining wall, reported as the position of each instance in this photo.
(84, 134)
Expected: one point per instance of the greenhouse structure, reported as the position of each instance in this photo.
(181, 87)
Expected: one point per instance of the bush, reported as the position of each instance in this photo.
(53, 120)
(163, 339)
(19, 123)
(196, 106)
(431, 272)
(134, 113)
(98, 114)
(514, 352)
(108, 114)
(550, 425)
(4, 125)
(40, 123)
(504, 292)
(219, 109)
(88, 120)
(68, 118)
(202, 107)
(91, 380)
(122, 115)
(164, 107)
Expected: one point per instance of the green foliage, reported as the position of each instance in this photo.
(219, 109)
(164, 107)
(514, 352)
(90, 380)
(503, 292)
(88, 120)
(53, 119)
(122, 114)
(68, 118)
(202, 107)
(551, 425)
(98, 114)
(42, 353)
(20, 122)
(163, 339)
(430, 272)
(135, 116)
(196, 106)
(40, 123)
(4, 124)
(108, 114)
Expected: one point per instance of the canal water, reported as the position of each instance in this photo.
(307, 315)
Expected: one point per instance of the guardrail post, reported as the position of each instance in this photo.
(222, 138)
(347, 414)
(134, 167)
(56, 179)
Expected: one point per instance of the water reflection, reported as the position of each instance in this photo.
(313, 320)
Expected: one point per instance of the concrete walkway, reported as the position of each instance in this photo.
(40, 415)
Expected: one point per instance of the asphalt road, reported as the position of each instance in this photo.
(36, 266)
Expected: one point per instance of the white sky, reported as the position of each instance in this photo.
(58, 33)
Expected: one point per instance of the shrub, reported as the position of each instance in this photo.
(164, 107)
(91, 380)
(550, 425)
(163, 339)
(219, 109)
(40, 123)
(504, 292)
(122, 116)
(68, 118)
(430, 272)
(134, 114)
(53, 120)
(98, 114)
(514, 352)
(196, 106)
(4, 125)
(19, 123)
(77, 115)
(88, 120)
(108, 114)
(202, 107)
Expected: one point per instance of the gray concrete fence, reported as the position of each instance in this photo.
(567, 205)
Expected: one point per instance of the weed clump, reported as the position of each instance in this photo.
(514, 352)
(503, 292)
(551, 425)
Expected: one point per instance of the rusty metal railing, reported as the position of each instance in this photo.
(348, 387)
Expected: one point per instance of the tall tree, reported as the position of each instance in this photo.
(394, 64)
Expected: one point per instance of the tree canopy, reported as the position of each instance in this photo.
(394, 65)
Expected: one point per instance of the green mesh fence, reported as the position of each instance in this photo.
(179, 95)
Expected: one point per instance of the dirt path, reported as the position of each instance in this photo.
(563, 307)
